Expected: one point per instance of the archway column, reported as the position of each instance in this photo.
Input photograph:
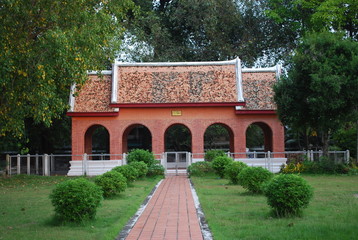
(157, 137)
(240, 140)
(197, 141)
(115, 144)
(78, 140)
(278, 143)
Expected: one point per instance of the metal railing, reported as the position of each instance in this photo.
(55, 164)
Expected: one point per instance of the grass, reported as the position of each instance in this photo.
(233, 213)
(26, 211)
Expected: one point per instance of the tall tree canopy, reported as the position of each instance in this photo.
(45, 46)
(302, 16)
(321, 90)
(206, 30)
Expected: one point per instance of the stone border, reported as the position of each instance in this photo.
(130, 224)
(205, 230)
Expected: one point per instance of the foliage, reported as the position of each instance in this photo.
(186, 30)
(292, 168)
(216, 133)
(233, 169)
(219, 163)
(319, 91)
(200, 169)
(45, 47)
(141, 167)
(178, 138)
(210, 155)
(288, 194)
(254, 136)
(301, 16)
(141, 155)
(111, 182)
(346, 138)
(76, 200)
(156, 170)
(252, 178)
(129, 172)
(325, 166)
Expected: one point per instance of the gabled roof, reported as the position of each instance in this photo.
(177, 84)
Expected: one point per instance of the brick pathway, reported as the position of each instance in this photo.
(170, 214)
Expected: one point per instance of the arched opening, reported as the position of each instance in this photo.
(219, 136)
(177, 139)
(97, 142)
(259, 137)
(137, 136)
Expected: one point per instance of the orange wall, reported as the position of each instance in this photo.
(157, 120)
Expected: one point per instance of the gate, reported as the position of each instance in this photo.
(177, 160)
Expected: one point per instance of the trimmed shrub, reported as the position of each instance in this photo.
(325, 166)
(141, 155)
(288, 194)
(219, 164)
(76, 200)
(111, 182)
(233, 169)
(292, 168)
(155, 170)
(141, 167)
(129, 172)
(199, 169)
(212, 154)
(252, 178)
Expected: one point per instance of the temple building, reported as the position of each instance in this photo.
(148, 105)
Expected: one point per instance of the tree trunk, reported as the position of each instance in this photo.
(325, 143)
(357, 143)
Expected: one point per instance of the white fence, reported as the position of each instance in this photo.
(95, 164)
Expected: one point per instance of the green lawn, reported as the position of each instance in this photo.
(232, 213)
(26, 211)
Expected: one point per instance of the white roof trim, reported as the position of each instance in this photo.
(72, 97)
(166, 64)
(104, 72)
(278, 71)
(249, 70)
(114, 83)
(238, 76)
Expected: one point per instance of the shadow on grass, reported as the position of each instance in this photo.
(250, 194)
(56, 221)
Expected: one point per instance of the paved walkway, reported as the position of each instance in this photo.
(170, 214)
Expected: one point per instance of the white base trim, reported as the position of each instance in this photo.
(194, 160)
(272, 164)
(92, 168)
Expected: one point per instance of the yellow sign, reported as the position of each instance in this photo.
(176, 113)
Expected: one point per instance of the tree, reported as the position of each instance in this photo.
(47, 45)
(321, 88)
(205, 30)
(301, 16)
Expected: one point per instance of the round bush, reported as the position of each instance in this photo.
(155, 170)
(212, 154)
(219, 164)
(76, 200)
(199, 169)
(141, 167)
(129, 172)
(233, 169)
(252, 178)
(141, 155)
(111, 182)
(288, 194)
